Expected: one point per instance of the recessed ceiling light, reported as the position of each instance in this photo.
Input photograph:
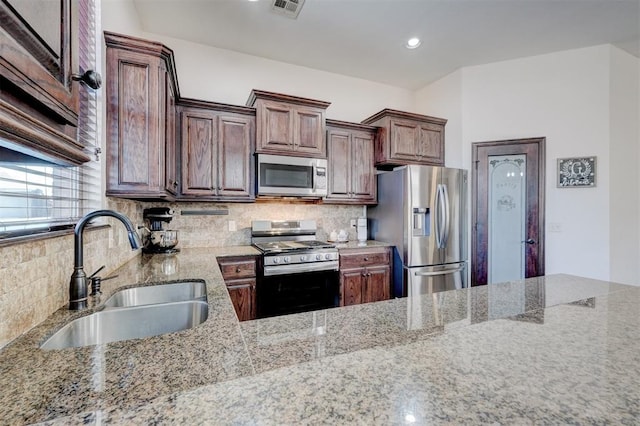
(412, 43)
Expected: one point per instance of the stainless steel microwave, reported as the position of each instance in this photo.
(281, 175)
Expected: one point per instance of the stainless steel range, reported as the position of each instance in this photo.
(298, 273)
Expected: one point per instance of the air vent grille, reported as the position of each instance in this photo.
(288, 8)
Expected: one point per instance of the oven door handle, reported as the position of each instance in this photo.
(298, 268)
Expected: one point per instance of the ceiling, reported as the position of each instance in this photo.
(366, 38)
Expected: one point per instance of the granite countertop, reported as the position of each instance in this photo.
(354, 244)
(552, 350)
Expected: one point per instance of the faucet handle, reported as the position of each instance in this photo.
(97, 281)
(94, 274)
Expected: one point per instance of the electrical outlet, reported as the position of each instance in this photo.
(232, 225)
(555, 227)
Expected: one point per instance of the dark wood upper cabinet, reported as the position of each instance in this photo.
(141, 90)
(289, 125)
(38, 98)
(171, 160)
(199, 152)
(350, 153)
(217, 142)
(407, 138)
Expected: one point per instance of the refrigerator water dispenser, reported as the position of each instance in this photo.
(421, 222)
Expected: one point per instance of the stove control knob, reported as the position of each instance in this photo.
(287, 259)
(318, 256)
(303, 258)
(327, 256)
(276, 260)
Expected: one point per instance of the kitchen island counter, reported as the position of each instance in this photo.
(555, 349)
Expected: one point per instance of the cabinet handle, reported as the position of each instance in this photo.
(237, 269)
(175, 183)
(366, 259)
(89, 78)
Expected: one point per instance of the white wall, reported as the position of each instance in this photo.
(220, 75)
(624, 197)
(120, 16)
(573, 100)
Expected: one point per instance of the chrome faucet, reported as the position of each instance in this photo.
(78, 283)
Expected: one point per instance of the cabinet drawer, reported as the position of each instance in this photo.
(365, 257)
(240, 283)
(237, 267)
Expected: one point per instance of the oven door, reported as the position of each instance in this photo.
(293, 293)
(280, 175)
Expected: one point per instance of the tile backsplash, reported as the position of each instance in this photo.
(34, 276)
(204, 229)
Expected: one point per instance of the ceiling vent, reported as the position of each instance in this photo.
(288, 8)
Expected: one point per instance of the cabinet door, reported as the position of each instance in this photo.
(38, 54)
(243, 297)
(403, 139)
(339, 154)
(234, 156)
(309, 131)
(171, 177)
(135, 160)
(275, 127)
(351, 283)
(198, 153)
(363, 183)
(378, 284)
(431, 144)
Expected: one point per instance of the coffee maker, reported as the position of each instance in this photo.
(159, 240)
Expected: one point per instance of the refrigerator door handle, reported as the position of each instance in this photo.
(447, 218)
(441, 212)
(436, 273)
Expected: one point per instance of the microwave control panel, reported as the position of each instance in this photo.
(321, 178)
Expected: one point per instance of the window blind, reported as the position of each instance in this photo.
(37, 196)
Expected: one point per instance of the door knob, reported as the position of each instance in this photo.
(529, 241)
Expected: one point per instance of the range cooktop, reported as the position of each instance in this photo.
(287, 246)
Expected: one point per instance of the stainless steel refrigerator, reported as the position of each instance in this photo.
(422, 211)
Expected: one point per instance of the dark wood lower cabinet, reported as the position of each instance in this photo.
(377, 284)
(351, 284)
(243, 297)
(239, 273)
(365, 276)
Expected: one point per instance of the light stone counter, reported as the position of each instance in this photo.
(551, 350)
(354, 244)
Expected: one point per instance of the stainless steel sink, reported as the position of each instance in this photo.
(163, 293)
(112, 325)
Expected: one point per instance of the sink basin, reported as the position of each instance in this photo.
(163, 293)
(112, 325)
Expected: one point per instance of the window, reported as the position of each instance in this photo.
(38, 195)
